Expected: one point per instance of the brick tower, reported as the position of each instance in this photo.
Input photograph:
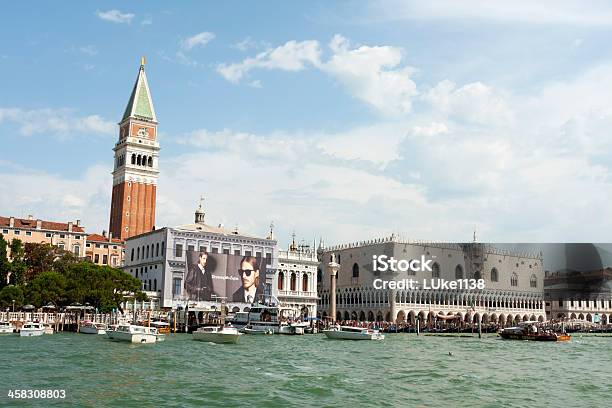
(136, 164)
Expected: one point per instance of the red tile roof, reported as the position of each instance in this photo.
(102, 238)
(46, 225)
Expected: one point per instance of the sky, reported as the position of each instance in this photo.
(346, 120)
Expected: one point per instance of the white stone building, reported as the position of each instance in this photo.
(294, 281)
(513, 283)
(158, 258)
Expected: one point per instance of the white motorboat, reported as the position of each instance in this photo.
(353, 333)
(217, 334)
(248, 329)
(291, 328)
(92, 328)
(132, 333)
(48, 328)
(30, 329)
(160, 336)
(7, 328)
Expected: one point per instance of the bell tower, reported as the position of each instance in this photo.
(136, 164)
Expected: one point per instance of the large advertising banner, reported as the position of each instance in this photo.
(237, 278)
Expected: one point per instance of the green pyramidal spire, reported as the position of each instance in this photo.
(140, 105)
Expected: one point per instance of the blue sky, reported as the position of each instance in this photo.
(346, 120)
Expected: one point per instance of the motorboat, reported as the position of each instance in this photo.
(48, 328)
(353, 333)
(30, 329)
(293, 328)
(7, 328)
(161, 326)
(92, 328)
(161, 336)
(531, 331)
(132, 333)
(217, 334)
(248, 329)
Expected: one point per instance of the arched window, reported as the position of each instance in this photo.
(134, 158)
(319, 275)
(163, 248)
(494, 275)
(435, 270)
(514, 279)
(157, 249)
(146, 257)
(292, 282)
(150, 161)
(138, 253)
(138, 160)
(281, 281)
(533, 281)
(149, 284)
(136, 273)
(355, 270)
(458, 272)
(155, 284)
(132, 255)
(305, 282)
(76, 250)
(144, 160)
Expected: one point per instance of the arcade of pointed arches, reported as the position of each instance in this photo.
(496, 307)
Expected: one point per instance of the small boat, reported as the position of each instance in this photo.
(291, 328)
(30, 329)
(248, 329)
(48, 328)
(7, 328)
(217, 334)
(531, 332)
(353, 333)
(92, 328)
(132, 333)
(160, 336)
(161, 326)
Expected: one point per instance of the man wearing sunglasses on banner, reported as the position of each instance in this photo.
(249, 273)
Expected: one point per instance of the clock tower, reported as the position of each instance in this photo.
(136, 164)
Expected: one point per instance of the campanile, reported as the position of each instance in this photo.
(136, 164)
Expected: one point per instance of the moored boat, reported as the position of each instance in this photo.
(132, 333)
(7, 328)
(30, 329)
(353, 333)
(48, 328)
(217, 334)
(248, 329)
(92, 328)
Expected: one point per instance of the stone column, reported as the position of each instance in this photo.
(392, 293)
(333, 272)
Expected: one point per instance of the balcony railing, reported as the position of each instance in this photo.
(297, 293)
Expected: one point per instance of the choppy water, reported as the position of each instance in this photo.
(280, 371)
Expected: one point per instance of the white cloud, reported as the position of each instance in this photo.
(374, 75)
(146, 21)
(200, 39)
(116, 16)
(291, 56)
(474, 102)
(89, 50)
(565, 12)
(60, 122)
(48, 196)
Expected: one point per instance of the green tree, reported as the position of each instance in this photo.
(5, 265)
(10, 293)
(46, 287)
(101, 286)
(40, 258)
(18, 266)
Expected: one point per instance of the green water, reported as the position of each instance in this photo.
(280, 371)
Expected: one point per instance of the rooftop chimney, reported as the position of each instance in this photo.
(70, 226)
(30, 217)
(38, 224)
(12, 222)
(78, 223)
